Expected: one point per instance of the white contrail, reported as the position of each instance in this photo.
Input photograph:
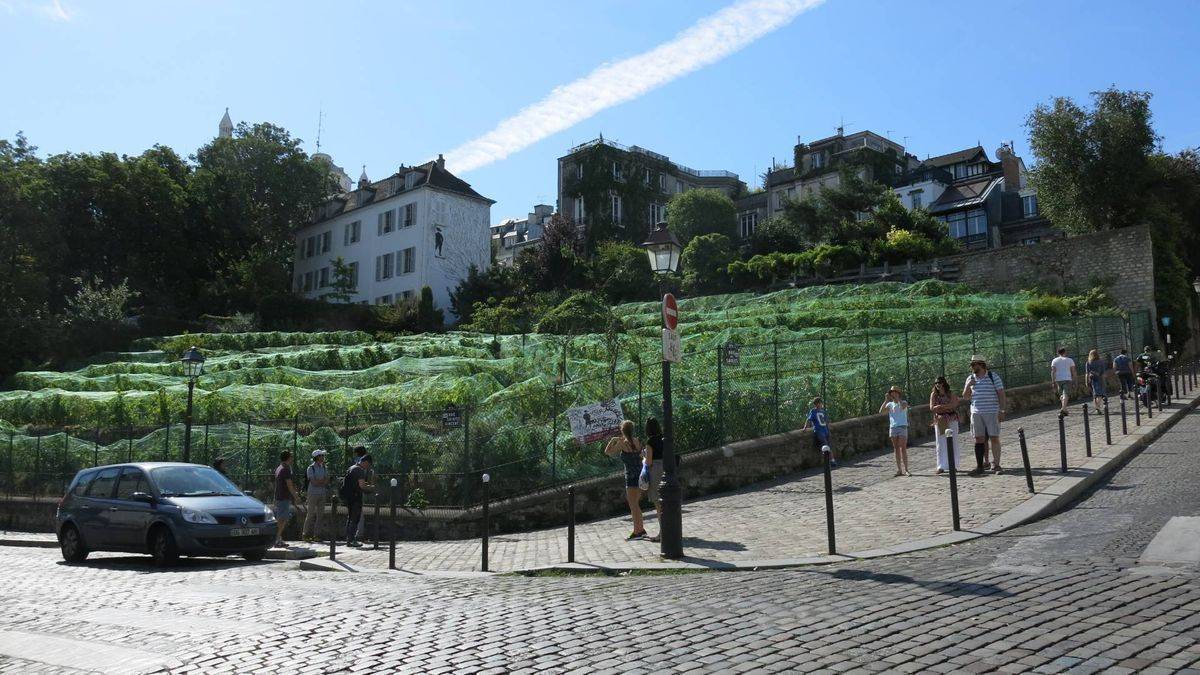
(707, 41)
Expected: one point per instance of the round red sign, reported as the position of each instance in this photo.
(670, 312)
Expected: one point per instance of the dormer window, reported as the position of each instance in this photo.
(410, 179)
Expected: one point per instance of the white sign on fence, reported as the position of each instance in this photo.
(596, 421)
(672, 347)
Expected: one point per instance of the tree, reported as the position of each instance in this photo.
(705, 211)
(1093, 165)
(580, 314)
(480, 287)
(777, 234)
(343, 283)
(704, 262)
(620, 272)
(556, 262)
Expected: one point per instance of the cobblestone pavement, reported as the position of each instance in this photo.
(1062, 595)
(786, 518)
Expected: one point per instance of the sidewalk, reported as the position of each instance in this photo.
(785, 518)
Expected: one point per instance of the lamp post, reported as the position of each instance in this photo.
(193, 366)
(663, 250)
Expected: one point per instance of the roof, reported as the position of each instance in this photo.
(956, 157)
(752, 201)
(432, 174)
(968, 193)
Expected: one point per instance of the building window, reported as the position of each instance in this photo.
(977, 222)
(1030, 241)
(387, 221)
(656, 213)
(310, 247)
(818, 160)
(780, 200)
(384, 266)
(915, 198)
(616, 171)
(579, 170)
(678, 186)
(323, 281)
(579, 211)
(965, 224)
(646, 180)
(353, 275)
(662, 182)
(326, 241)
(407, 260)
(353, 233)
(616, 210)
(383, 300)
(308, 281)
(1029, 207)
(410, 214)
(747, 222)
(406, 295)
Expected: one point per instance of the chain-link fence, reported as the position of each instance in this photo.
(720, 394)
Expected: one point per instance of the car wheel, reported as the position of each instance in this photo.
(72, 545)
(162, 547)
(256, 555)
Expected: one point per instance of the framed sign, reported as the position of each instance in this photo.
(596, 421)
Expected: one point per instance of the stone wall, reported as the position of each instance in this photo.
(1123, 257)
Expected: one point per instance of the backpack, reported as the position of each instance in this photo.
(346, 487)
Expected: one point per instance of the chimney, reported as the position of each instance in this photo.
(441, 162)
(1011, 165)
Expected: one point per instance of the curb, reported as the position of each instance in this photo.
(28, 543)
(1052, 499)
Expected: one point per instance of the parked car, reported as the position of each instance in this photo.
(166, 509)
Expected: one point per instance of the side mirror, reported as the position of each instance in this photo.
(143, 497)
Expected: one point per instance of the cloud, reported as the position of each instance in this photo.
(56, 11)
(707, 41)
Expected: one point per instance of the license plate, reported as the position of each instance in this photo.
(243, 532)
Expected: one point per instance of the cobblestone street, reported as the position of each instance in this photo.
(1067, 594)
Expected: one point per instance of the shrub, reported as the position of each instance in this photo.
(577, 315)
(1047, 307)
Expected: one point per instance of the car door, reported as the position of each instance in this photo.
(94, 509)
(128, 518)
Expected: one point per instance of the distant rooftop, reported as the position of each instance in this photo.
(699, 173)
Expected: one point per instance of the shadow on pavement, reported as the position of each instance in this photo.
(145, 564)
(694, 542)
(944, 587)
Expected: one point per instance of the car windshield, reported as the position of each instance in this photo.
(192, 481)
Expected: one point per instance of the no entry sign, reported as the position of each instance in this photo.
(670, 312)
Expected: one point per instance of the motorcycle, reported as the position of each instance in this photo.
(1149, 388)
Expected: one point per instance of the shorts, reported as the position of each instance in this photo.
(283, 509)
(985, 424)
(817, 442)
(898, 432)
(1098, 388)
(1063, 388)
(633, 468)
(656, 474)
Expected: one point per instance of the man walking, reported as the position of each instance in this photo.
(359, 453)
(318, 489)
(285, 495)
(355, 484)
(1123, 365)
(1062, 374)
(985, 390)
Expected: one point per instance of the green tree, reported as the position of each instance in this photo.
(580, 314)
(697, 212)
(480, 287)
(621, 273)
(705, 261)
(777, 234)
(556, 262)
(343, 283)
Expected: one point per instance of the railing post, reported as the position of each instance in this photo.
(246, 460)
(392, 529)
(775, 387)
(1025, 458)
(641, 374)
(824, 374)
(1107, 425)
(870, 387)
(1029, 351)
(467, 468)
(954, 514)
(942, 350)
(37, 465)
(907, 366)
(1137, 405)
(484, 560)
(1004, 353)
(720, 395)
(333, 521)
(375, 498)
(1062, 441)
(554, 424)
(129, 441)
(96, 448)
(1087, 432)
(571, 524)
(830, 531)
(1124, 419)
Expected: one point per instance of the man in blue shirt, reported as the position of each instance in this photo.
(1123, 365)
(819, 421)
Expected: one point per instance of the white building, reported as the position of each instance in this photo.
(421, 226)
(513, 235)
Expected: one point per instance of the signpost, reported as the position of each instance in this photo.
(670, 311)
(596, 422)
(733, 354)
(672, 346)
(451, 417)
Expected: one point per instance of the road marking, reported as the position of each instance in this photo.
(1177, 542)
(172, 623)
(92, 656)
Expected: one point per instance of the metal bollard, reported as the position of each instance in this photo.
(1150, 405)
(1025, 458)
(571, 524)
(829, 529)
(954, 516)
(1087, 432)
(333, 535)
(392, 529)
(1137, 408)
(486, 482)
(1107, 424)
(1124, 419)
(375, 546)
(1062, 441)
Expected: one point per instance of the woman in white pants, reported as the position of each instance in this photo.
(944, 406)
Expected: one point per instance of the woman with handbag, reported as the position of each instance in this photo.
(632, 456)
(944, 406)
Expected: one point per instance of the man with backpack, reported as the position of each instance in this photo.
(359, 453)
(316, 479)
(354, 484)
(985, 390)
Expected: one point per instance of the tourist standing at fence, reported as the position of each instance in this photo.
(1062, 374)
(985, 390)
(818, 419)
(654, 459)
(317, 477)
(944, 406)
(627, 446)
(368, 486)
(1124, 367)
(897, 409)
(285, 495)
(1095, 370)
(354, 485)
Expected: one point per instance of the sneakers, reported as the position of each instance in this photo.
(997, 470)
(941, 471)
(977, 471)
(656, 538)
(354, 543)
(636, 535)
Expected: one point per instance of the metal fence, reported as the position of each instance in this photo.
(720, 394)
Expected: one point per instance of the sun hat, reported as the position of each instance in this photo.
(318, 453)
(896, 389)
(980, 358)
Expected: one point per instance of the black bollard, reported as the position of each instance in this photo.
(486, 482)
(1150, 402)
(375, 547)
(954, 516)
(1137, 407)
(1087, 432)
(1025, 458)
(392, 528)
(333, 535)
(825, 453)
(1124, 419)
(571, 524)
(1062, 441)
(1107, 424)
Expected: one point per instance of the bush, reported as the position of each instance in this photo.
(705, 263)
(579, 314)
(1047, 307)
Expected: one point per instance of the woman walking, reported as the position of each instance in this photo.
(630, 450)
(897, 409)
(944, 406)
(1095, 369)
(654, 460)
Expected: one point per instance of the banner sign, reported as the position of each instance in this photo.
(596, 422)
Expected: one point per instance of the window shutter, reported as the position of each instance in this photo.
(378, 267)
(380, 224)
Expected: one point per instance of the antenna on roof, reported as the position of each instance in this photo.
(320, 126)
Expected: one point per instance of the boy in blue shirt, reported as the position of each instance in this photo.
(820, 426)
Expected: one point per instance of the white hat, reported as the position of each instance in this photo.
(318, 453)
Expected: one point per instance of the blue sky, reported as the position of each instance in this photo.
(400, 82)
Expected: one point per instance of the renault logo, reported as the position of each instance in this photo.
(243, 520)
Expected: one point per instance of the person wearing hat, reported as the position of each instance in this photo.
(317, 479)
(985, 390)
(897, 409)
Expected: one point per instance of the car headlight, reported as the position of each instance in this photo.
(199, 517)
(268, 515)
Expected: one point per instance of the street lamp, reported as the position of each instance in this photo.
(1196, 285)
(663, 250)
(193, 367)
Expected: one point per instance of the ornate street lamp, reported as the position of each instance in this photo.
(663, 250)
(1196, 285)
(193, 367)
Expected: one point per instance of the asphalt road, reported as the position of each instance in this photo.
(1064, 594)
